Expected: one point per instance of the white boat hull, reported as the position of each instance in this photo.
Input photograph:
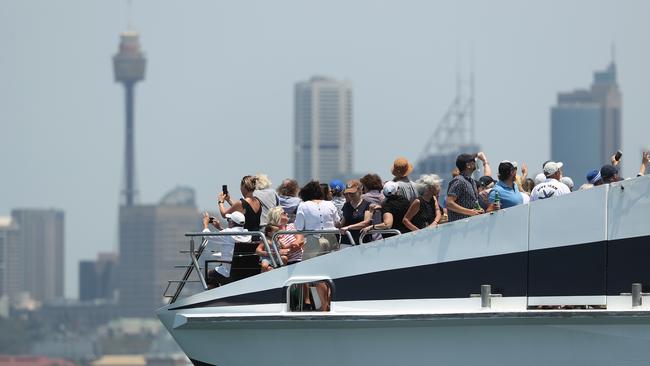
(545, 338)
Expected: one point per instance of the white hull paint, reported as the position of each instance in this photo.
(541, 338)
(450, 330)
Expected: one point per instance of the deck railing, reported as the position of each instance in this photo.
(273, 249)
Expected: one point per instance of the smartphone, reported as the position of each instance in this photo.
(618, 155)
(224, 189)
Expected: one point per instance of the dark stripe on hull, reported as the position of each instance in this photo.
(576, 270)
(506, 273)
(200, 363)
(272, 296)
(628, 262)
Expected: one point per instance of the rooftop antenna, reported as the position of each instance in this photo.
(129, 14)
(613, 51)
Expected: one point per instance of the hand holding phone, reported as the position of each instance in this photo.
(224, 189)
(618, 155)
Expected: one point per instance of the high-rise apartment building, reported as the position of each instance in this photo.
(586, 125)
(322, 129)
(10, 272)
(150, 239)
(41, 247)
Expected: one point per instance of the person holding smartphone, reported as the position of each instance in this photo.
(248, 205)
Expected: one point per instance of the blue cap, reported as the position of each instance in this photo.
(337, 185)
(593, 176)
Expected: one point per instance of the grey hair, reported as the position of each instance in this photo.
(428, 180)
(262, 181)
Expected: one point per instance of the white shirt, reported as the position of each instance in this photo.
(549, 188)
(317, 216)
(222, 248)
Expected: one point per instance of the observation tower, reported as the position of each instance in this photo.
(129, 67)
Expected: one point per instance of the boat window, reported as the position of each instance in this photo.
(310, 296)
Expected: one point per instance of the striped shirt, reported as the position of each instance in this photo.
(287, 240)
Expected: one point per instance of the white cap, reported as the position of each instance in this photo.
(552, 167)
(540, 178)
(236, 217)
(390, 188)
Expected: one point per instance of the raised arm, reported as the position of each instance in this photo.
(644, 163)
(486, 165)
(236, 206)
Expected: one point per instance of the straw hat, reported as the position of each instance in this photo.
(401, 168)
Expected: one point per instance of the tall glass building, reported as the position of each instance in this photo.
(150, 239)
(586, 125)
(41, 252)
(322, 129)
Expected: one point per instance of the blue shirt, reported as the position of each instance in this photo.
(509, 196)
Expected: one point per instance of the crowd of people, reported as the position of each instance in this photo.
(365, 206)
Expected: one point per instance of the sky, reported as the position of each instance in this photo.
(217, 100)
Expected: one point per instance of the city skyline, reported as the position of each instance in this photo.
(224, 73)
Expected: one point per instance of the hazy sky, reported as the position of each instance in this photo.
(217, 100)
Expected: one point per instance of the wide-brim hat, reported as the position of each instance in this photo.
(401, 168)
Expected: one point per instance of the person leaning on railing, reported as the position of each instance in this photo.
(393, 210)
(224, 246)
(424, 210)
(293, 243)
(314, 213)
(266, 262)
(355, 212)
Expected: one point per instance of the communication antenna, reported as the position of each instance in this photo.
(129, 14)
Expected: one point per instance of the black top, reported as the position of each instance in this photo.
(252, 218)
(464, 189)
(427, 213)
(397, 206)
(354, 216)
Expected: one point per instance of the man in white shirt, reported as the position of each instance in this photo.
(223, 247)
(551, 187)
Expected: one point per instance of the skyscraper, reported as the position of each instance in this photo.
(41, 246)
(150, 239)
(10, 271)
(129, 67)
(586, 125)
(97, 277)
(322, 129)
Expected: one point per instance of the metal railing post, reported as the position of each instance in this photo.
(378, 231)
(188, 271)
